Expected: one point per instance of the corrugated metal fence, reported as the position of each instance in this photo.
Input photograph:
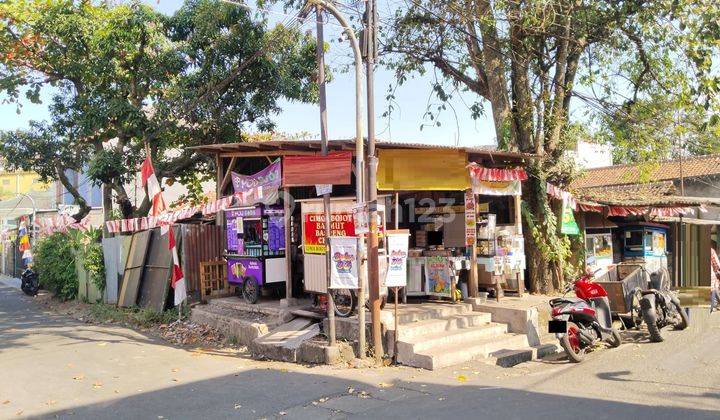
(200, 243)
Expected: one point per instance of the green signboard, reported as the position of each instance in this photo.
(568, 225)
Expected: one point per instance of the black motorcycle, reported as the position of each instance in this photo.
(29, 282)
(660, 307)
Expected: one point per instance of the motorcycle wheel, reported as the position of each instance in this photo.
(615, 339)
(345, 301)
(650, 319)
(570, 342)
(251, 290)
(684, 320)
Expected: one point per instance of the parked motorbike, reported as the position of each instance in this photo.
(29, 282)
(585, 321)
(660, 307)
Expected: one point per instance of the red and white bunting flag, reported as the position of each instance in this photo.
(178, 279)
(154, 191)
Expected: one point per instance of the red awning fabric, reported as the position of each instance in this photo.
(591, 208)
(670, 211)
(305, 171)
(482, 173)
(626, 211)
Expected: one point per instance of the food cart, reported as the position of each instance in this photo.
(255, 249)
(645, 244)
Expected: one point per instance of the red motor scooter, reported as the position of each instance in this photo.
(582, 322)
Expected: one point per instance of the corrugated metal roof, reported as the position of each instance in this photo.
(346, 144)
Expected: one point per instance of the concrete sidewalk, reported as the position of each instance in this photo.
(9, 281)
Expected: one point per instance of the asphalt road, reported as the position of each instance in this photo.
(54, 367)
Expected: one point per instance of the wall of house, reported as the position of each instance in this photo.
(12, 183)
(697, 238)
(90, 192)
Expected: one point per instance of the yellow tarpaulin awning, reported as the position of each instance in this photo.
(422, 170)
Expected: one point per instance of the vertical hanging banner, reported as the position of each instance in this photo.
(343, 262)
(568, 226)
(397, 242)
(470, 219)
(361, 218)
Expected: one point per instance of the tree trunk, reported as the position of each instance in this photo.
(77, 197)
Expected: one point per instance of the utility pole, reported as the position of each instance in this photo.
(320, 52)
(359, 149)
(373, 261)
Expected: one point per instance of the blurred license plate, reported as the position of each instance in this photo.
(556, 326)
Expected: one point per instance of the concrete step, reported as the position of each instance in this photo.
(452, 354)
(415, 313)
(242, 330)
(459, 338)
(283, 342)
(441, 325)
(510, 358)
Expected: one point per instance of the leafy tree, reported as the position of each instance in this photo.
(129, 79)
(528, 59)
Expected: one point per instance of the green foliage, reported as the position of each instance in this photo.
(89, 252)
(134, 316)
(55, 263)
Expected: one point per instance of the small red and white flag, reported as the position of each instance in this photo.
(154, 191)
(178, 279)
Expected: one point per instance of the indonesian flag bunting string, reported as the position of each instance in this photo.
(154, 191)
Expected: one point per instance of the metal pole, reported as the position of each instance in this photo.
(359, 156)
(320, 52)
(373, 263)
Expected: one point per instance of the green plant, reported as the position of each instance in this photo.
(55, 264)
(90, 253)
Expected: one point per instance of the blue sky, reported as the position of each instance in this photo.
(410, 103)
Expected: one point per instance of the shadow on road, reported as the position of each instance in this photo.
(22, 317)
(259, 394)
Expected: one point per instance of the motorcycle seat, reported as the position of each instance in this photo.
(648, 292)
(563, 300)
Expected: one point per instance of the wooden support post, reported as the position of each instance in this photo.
(228, 175)
(397, 332)
(288, 245)
(518, 231)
